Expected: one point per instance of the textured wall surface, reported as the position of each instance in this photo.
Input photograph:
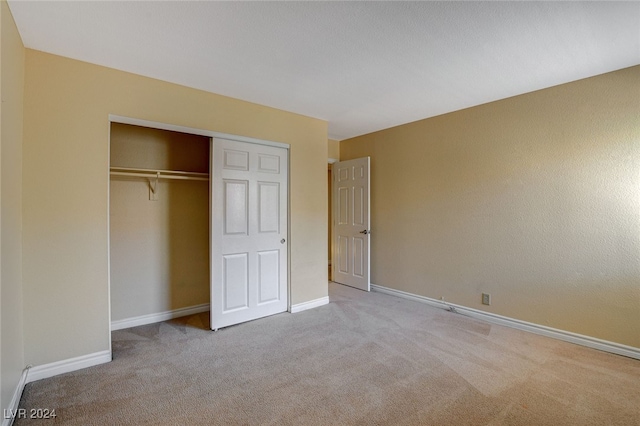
(534, 199)
(11, 90)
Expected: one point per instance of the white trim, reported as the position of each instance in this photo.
(158, 317)
(45, 371)
(108, 215)
(410, 296)
(192, 130)
(289, 231)
(299, 307)
(15, 400)
(332, 160)
(567, 336)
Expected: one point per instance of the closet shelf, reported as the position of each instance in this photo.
(158, 174)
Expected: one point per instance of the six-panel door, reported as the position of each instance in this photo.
(249, 232)
(350, 263)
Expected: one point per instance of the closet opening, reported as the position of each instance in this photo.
(159, 201)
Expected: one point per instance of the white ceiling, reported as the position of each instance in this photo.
(360, 66)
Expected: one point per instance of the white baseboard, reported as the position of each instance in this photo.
(567, 336)
(45, 371)
(15, 400)
(299, 307)
(158, 317)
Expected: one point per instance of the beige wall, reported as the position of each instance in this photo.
(159, 249)
(534, 199)
(333, 149)
(66, 154)
(11, 91)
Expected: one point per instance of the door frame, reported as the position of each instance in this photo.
(330, 163)
(113, 118)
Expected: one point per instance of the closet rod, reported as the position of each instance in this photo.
(161, 174)
(147, 175)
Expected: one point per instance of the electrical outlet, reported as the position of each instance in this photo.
(486, 299)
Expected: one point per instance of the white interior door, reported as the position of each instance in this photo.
(351, 231)
(249, 254)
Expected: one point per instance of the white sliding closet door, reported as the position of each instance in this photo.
(249, 255)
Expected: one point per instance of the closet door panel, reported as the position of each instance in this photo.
(268, 276)
(235, 283)
(236, 208)
(269, 207)
(249, 222)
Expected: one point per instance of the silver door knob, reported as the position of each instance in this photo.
(282, 241)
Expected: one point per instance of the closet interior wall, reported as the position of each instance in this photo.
(159, 249)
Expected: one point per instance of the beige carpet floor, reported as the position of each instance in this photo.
(364, 359)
